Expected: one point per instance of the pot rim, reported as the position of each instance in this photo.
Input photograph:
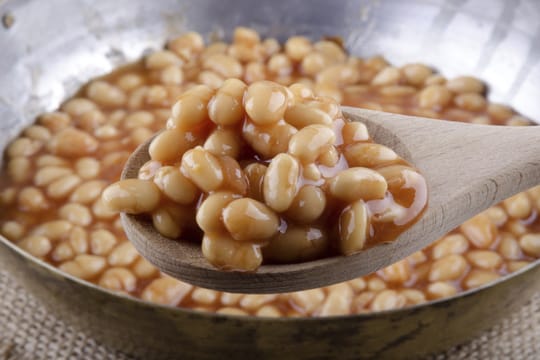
(250, 318)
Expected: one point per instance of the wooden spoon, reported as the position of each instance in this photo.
(467, 167)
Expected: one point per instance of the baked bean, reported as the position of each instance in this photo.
(499, 112)
(268, 141)
(313, 63)
(297, 47)
(279, 65)
(91, 120)
(497, 215)
(123, 254)
(48, 174)
(175, 185)
(87, 192)
(310, 142)
(50, 160)
(230, 299)
(161, 59)
(414, 296)
(397, 91)
(204, 296)
(254, 71)
(166, 291)
(77, 214)
(301, 115)
(168, 220)
(353, 228)
(12, 230)
(55, 121)
(210, 79)
(209, 213)
(73, 143)
(37, 132)
(514, 266)
(465, 84)
(357, 183)
(78, 106)
(118, 279)
(484, 259)
(62, 252)
(190, 110)
(470, 101)
(311, 172)
(480, 231)
(518, 206)
(84, 266)
(362, 301)
(144, 270)
(105, 94)
(223, 65)
(517, 120)
(102, 242)
(416, 74)
(265, 102)
(450, 244)
(530, 243)
(337, 76)
(330, 50)
(226, 253)
(129, 82)
(268, 311)
(19, 169)
(353, 132)
(53, 230)
(308, 300)
(23, 147)
(78, 240)
(308, 205)
(141, 135)
(36, 245)
(449, 267)
(434, 96)
(63, 187)
(396, 273)
(203, 168)
(478, 278)
(132, 196)
(250, 220)
(280, 182)
(296, 243)
(388, 300)
(387, 76)
(369, 155)
(440, 289)
(338, 301)
(231, 311)
(509, 247)
(106, 132)
(223, 142)
(358, 284)
(187, 45)
(168, 146)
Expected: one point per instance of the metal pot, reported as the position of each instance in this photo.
(50, 48)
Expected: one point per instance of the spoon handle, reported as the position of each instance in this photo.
(468, 167)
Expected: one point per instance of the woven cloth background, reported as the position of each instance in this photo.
(28, 331)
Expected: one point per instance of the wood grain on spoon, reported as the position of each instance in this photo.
(468, 168)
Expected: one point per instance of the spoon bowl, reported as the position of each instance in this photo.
(467, 167)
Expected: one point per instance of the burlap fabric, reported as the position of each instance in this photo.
(28, 331)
